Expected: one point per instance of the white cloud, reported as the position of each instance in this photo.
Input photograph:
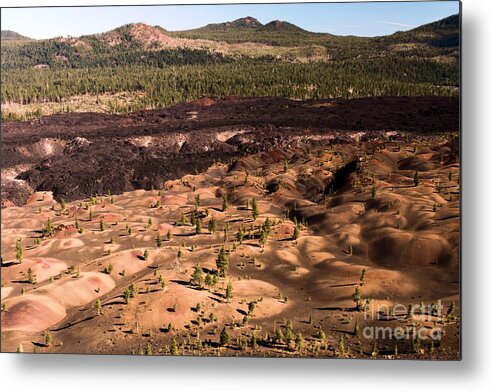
(396, 24)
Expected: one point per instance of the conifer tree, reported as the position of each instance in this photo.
(451, 311)
(126, 296)
(224, 337)
(31, 277)
(356, 296)
(239, 235)
(342, 345)
(98, 306)
(251, 307)
(278, 335)
(225, 201)
(229, 292)
(19, 252)
(212, 225)
(174, 348)
(49, 228)
(197, 277)
(159, 240)
(298, 341)
(296, 233)
(255, 211)
(222, 261)
(363, 276)
(48, 338)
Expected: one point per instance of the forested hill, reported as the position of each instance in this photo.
(444, 33)
(139, 43)
(283, 33)
(137, 66)
(8, 35)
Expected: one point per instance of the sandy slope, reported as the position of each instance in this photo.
(375, 216)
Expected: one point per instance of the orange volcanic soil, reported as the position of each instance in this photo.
(115, 275)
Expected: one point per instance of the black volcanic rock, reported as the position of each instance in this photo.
(143, 149)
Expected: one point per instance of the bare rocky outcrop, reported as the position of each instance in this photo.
(81, 154)
(76, 145)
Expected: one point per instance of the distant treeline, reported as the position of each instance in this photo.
(56, 54)
(167, 85)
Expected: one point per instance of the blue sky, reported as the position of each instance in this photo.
(362, 19)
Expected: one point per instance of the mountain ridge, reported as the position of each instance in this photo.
(243, 38)
(250, 23)
(9, 35)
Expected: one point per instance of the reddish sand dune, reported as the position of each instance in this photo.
(31, 313)
(79, 291)
(42, 268)
(304, 233)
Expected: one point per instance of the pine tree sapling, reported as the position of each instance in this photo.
(31, 277)
(174, 348)
(296, 233)
(98, 306)
(159, 240)
(224, 337)
(212, 225)
(229, 292)
(19, 251)
(356, 296)
(222, 261)
(197, 277)
(363, 276)
(251, 307)
(48, 339)
(225, 201)
(255, 211)
(298, 341)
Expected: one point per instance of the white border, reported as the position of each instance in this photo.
(473, 373)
